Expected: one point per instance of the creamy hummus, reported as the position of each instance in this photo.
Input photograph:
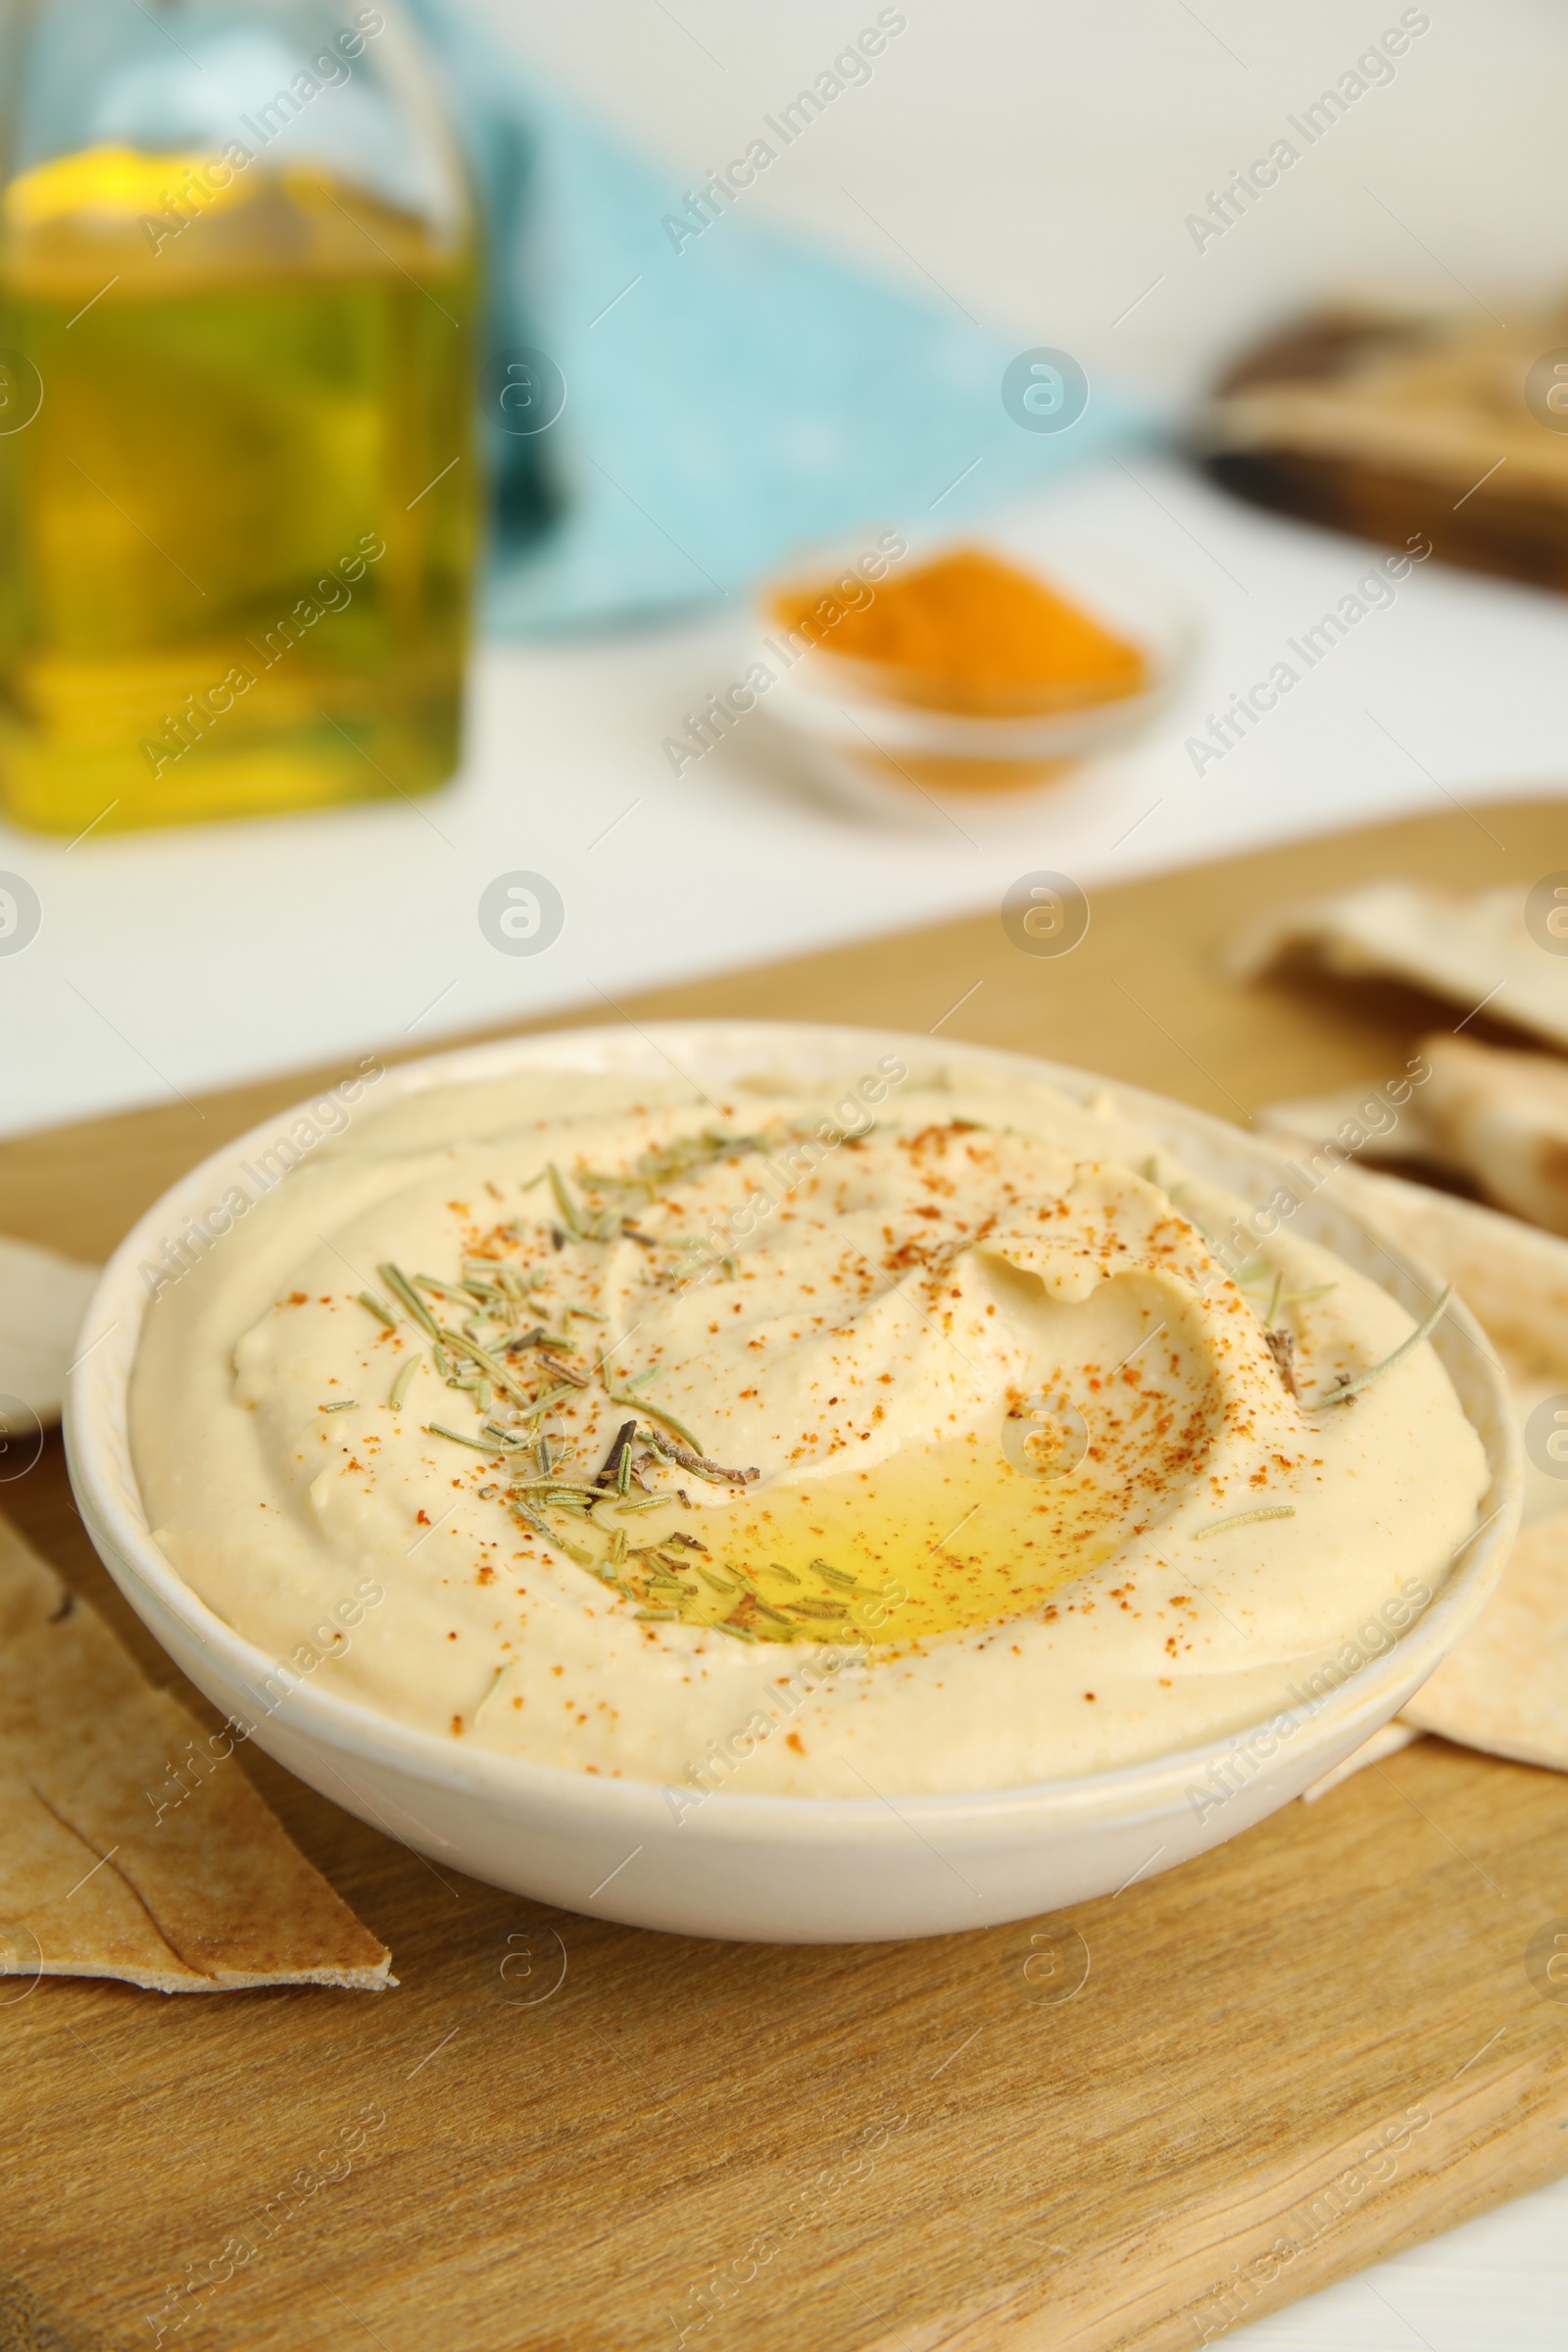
(912, 1440)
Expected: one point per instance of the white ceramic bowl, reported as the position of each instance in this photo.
(776, 1869)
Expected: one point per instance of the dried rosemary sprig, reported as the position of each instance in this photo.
(438, 1429)
(524, 1338)
(1272, 1510)
(578, 1552)
(505, 1439)
(407, 1296)
(491, 1366)
(564, 1201)
(445, 1290)
(501, 1674)
(543, 1402)
(1281, 1345)
(623, 1397)
(697, 1463)
(616, 1469)
(835, 1576)
(1364, 1380)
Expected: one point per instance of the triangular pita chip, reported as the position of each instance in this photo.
(43, 1297)
(1505, 1687)
(1467, 951)
(131, 1844)
(1496, 1117)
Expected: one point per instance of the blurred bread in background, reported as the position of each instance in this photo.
(1388, 424)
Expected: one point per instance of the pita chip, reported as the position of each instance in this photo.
(1511, 1275)
(1503, 1117)
(1505, 1687)
(1498, 1118)
(1467, 951)
(1385, 1740)
(132, 1843)
(43, 1297)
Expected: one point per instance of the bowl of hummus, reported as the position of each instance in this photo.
(786, 1483)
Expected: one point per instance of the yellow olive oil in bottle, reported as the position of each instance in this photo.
(238, 494)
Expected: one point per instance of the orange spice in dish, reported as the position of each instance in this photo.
(970, 633)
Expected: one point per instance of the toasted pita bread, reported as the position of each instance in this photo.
(1496, 1117)
(1385, 1740)
(1466, 952)
(130, 1844)
(43, 1297)
(1506, 1683)
(1504, 1119)
(1505, 1687)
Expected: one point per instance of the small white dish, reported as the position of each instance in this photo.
(888, 755)
(776, 1869)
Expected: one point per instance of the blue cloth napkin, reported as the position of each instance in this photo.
(730, 393)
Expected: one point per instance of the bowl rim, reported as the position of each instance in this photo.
(101, 1467)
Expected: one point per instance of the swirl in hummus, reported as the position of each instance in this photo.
(922, 1442)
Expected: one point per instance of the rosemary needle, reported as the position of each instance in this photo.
(407, 1296)
(378, 1309)
(1364, 1380)
(656, 1412)
(500, 1677)
(400, 1387)
(1272, 1510)
(564, 1201)
(436, 1429)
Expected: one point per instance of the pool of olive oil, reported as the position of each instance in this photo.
(238, 525)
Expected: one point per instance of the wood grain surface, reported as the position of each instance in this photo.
(1325, 2040)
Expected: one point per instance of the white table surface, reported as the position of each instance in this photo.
(1072, 144)
(174, 960)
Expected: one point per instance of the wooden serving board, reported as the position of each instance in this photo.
(1315, 2045)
